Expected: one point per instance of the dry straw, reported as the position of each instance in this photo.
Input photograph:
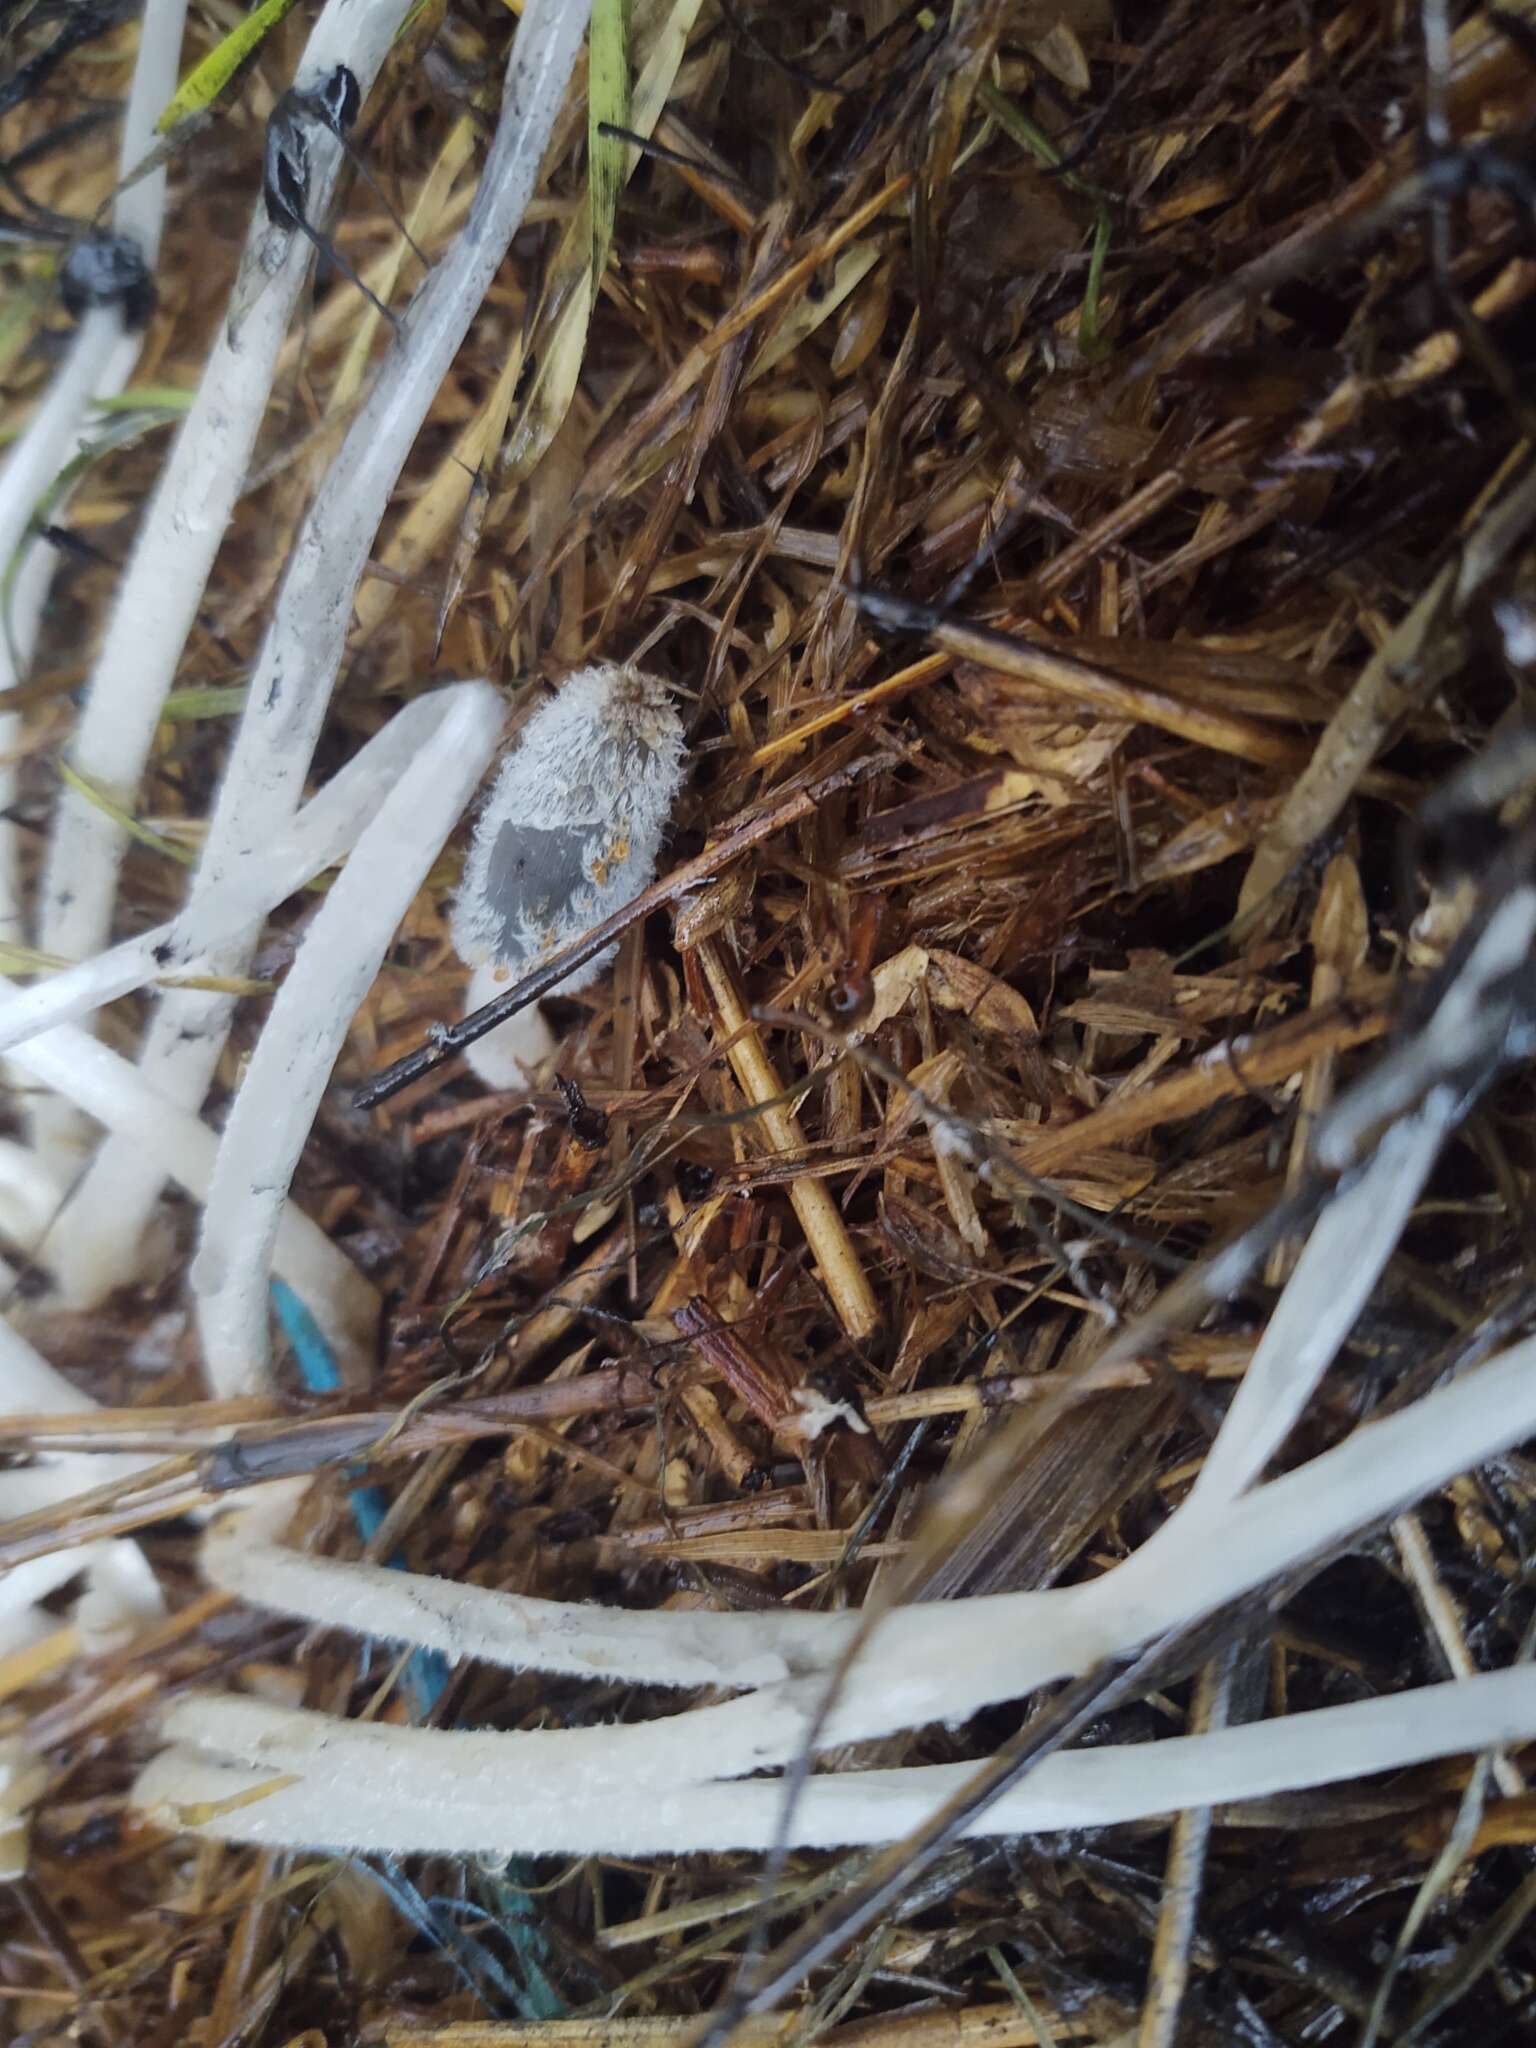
(998, 1290)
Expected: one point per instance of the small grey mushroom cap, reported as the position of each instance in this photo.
(572, 826)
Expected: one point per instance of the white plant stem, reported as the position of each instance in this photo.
(28, 1197)
(100, 361)
(25, 1584)
(948, 1661)
(630, 1646)
(182, 1148)
(28, 1384)
(336, 965)
(326, 829)
(190, 510)
(513, 1052)
(523, 1814)
(305, 642)
(1427, 1064)
(22, 1779)
(1332, 1282)
(120, 1582)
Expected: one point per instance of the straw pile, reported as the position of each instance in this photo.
(1132, 352)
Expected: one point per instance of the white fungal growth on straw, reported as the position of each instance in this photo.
(570, 830)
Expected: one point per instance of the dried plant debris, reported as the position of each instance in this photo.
(946, 1455)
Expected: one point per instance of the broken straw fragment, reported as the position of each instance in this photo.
(570, 831)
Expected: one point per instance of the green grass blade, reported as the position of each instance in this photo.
(124, 820)
(607, 102)
(206, 81)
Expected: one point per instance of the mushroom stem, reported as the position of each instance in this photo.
(101, 359)
(326, 829)
(340, 955)
(306, 639)
(332, 1806)
(190, 510)
(941, 1661)
(182, 1148)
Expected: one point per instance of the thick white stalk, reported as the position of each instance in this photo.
(52, 437)
(28, 1197)
(28, 1384)
(948, 1661)
(337, 963)
(100, 361)
(190, 509)
(1196, 1564)
(21, 1620)
(120, 1585)
(1428, 1065)
(305, 642)
(629, 1646)
(501, 1814)
(324, 831)
(182, 1148)
(1332, 1282)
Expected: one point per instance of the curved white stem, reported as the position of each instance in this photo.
(101, 359)
(1332, 1282)
(508, 1056)
(504, 1814)
(325, 829)
(182, 1148)
(336, 965)
(27, 1383)
(948, 1661)
(191, 507)
(633, 1646)
(304, 644)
